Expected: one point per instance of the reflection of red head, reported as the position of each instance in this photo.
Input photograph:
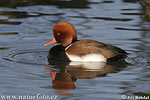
(63, 86)
(62, 81)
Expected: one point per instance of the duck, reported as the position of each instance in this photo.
(74, 50)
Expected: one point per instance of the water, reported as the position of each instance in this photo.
(26, 25)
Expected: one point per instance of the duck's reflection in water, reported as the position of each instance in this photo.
(62, 81)
(65, 78)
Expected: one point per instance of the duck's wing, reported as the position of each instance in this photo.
(84, 47)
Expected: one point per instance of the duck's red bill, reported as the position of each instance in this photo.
(51, 42)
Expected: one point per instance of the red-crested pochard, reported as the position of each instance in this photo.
(65, 34)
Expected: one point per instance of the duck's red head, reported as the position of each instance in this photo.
(63, 33)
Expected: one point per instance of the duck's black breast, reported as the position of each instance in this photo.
(57, 53)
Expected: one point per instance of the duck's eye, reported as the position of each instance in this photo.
(58, 34)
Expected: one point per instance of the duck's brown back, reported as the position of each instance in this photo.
(83, 47)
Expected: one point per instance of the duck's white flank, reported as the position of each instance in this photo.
(87, 58)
